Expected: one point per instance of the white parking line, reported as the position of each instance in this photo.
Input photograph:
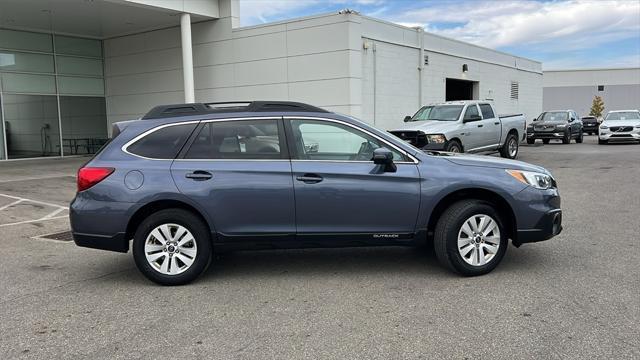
(36, 178)
(32, 221)
(33, 201)
(50, 216)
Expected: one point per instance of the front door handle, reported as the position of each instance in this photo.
(497, 123)
(199, 175)
(309, 178)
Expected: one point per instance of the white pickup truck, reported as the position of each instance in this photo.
(464, 126)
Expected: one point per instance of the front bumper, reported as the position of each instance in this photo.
(549, 226)
(538, 215)
(619, 136)
(545, 135)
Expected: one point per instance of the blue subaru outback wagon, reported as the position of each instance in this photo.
(187, 180)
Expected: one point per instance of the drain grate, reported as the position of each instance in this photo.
(59, 236)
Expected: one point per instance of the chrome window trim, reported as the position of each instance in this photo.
(413, 158)
(125, 147)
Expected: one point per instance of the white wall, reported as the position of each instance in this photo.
(397, 58)
(315, 60)
(592, 77)
(318, 59)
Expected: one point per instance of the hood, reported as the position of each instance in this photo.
(428, 126)
(630, 122)
(491, 162)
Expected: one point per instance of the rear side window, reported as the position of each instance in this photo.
(239, 139)
(487, 111)
(164, 143)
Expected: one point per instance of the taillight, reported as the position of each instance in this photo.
(89, 176)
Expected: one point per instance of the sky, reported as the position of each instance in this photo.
(563, 34)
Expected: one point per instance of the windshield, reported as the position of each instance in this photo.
(438, 112)
(627, 115)
(554, 116)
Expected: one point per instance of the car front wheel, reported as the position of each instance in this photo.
(470, 238)
(453, 146)
(172, 247)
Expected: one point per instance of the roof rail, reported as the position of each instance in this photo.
(164, 111)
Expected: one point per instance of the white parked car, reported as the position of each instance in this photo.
(620, 125)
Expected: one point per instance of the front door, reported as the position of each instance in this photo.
(240, 173)
(340, 191)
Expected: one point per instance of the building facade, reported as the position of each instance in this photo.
(576, 89)
(62, 88)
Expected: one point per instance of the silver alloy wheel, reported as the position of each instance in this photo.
(170, 249)
(513, 147)
(479, 240)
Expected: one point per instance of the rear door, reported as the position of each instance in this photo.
(340, 192)
(239, 171)
(492, 126)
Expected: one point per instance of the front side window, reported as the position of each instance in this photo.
(487, 111)
(164, 143)
(323, 140)
(239, 139)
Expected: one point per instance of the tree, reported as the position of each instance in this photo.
(597, 107)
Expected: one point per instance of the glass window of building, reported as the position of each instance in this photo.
(51, 95)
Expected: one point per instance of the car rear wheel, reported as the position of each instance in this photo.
(453, 146)
(602, 142)
(469, 238)
(172, 247)
(531, 141)
(580, 138)
(510, 148)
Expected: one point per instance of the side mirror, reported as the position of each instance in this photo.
(407, 118)
(384, 157)
(572, 119)
(535, 119)
(472, 118)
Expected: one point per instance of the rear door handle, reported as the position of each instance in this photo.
(480, 125)
(199, 175)
(310, 178)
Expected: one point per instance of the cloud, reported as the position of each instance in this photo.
(496, 24)
(260, 11)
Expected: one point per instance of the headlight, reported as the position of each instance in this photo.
(637, 126)
(535, 179)
(436, 139)
(605, 127)
(561, 126)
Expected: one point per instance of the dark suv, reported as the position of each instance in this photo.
(187, 180)
(558, 124)
(590, 125)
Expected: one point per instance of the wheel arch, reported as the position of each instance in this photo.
(154, 206)
(458, 140)
(501, 204)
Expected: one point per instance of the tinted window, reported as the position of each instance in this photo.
(554, 116)
(241, 139)
(472, 110)
(487, 111)
(164, 143)
(626, 115)
(323, 140)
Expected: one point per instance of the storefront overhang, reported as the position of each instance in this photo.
(101, 19)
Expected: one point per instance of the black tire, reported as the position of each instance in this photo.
(567, 138)
(580, 138)
(446, 237)
(531, 141)
(453, 146)
(545, 141)
(193, 224)
(602, 142)
(512, 139)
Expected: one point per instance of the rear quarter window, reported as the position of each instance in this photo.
(163, 143)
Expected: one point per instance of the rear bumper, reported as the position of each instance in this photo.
(549, 226)
(116, 242)
(590, 128)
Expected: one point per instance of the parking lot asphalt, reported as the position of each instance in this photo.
(575, 296)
